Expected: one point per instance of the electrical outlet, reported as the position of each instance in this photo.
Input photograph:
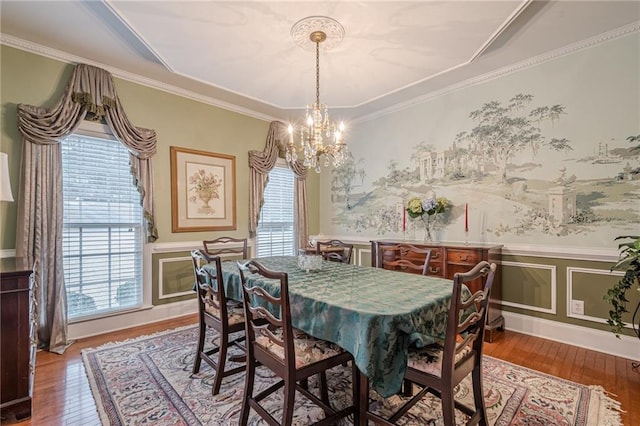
(577, 307)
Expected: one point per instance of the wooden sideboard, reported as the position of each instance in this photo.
(449, 258)
(17, 337)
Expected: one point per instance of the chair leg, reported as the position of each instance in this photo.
(407, 388)
(324, 391)
(304, 383)
(448, 408)
(248, 392)
(355, 393)
(222, 358)
(200, 348)
(478, 395)
(289, 399)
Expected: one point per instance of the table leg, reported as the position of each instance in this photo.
(363, 399)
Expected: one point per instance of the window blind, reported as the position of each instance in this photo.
(276, 234)
(103, 228)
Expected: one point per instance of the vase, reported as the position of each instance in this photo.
(430, 228)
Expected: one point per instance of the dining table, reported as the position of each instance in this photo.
(373, 313)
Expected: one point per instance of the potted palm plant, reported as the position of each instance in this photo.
(629, 262)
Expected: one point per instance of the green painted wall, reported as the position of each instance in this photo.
(529, 283)
(36, 80)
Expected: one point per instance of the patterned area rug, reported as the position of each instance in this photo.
(148, 380)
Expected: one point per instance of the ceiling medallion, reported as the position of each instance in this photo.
(333, 30)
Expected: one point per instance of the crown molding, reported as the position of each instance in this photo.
(135, 78)
(65, 57)
(510, 69)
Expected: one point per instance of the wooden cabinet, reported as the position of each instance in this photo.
(449, 258)
(17, 337)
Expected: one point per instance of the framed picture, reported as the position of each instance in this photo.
(203, 191)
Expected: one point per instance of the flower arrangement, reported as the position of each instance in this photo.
(417, 208)
(205, 185)
(427, 210)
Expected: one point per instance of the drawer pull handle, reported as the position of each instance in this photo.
(434, 270)
(435, 255)
(464, 257)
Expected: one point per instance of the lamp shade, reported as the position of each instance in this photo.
(5, 185)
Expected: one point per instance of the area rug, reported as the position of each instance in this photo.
(148, 380)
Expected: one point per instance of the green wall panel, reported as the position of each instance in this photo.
(177, 277)
(527, 285)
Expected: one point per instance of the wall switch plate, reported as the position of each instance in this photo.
(577, 307)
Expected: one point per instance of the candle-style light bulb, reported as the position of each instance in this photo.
(290, 130)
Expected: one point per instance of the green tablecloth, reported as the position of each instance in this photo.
(373, 313)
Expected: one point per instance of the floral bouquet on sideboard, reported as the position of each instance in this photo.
(427, 211)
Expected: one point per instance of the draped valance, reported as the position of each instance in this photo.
(91, 94)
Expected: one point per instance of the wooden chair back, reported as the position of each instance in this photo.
(261, 322)
(227, 246)
(465, 331)
(335, 250)
(209, 284)
(403, 257)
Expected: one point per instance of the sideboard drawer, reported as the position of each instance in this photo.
(470, 257)
(436, 263)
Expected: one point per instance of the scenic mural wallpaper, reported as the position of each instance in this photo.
(556, 162)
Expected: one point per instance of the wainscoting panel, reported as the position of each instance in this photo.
(173, 280)
(584, 282)
(529, 286)
(172, 277)
(364, 256)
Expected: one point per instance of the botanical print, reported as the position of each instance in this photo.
(511, 172)
(206, 191)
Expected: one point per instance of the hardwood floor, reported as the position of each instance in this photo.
(62, 396)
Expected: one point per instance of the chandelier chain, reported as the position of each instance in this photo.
(318, 72)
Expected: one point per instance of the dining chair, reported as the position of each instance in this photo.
(335, 250)
(403, 257)
(216, 311)
(439, 368)
(291, 354)
(227, 246)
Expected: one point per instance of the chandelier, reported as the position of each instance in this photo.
(321, 140)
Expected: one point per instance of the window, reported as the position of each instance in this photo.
(276, 234)
(103, 228)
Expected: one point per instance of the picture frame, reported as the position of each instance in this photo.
(203, 190)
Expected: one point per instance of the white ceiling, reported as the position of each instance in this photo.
(241, 53)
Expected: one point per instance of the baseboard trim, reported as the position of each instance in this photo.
(131, 319)
(584, 337)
